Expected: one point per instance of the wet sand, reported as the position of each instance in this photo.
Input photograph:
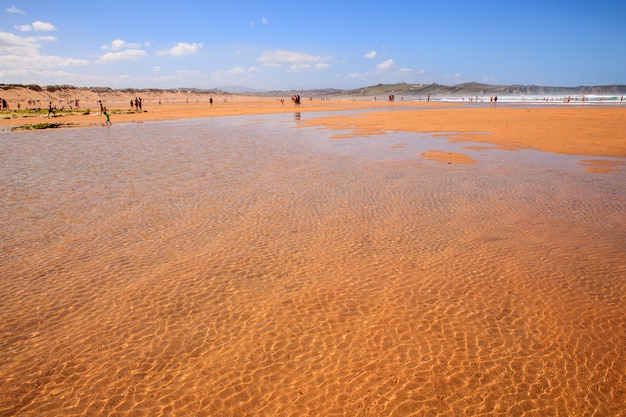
(234, 266)
(574, 130)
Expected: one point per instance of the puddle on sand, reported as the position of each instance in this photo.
(206, 266)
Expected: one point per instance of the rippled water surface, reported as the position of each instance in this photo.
(245, 266)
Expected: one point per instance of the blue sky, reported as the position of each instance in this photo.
(301, 44)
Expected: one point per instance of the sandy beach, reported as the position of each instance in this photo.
(241, 259)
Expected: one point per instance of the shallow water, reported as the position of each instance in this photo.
(246, 266)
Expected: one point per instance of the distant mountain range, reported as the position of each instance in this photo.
(466, 89)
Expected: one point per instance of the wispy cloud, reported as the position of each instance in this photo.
(119, 44)
(127, 55)
(293, 61)
(386, 65)
(182, 48)
(241, 70)
(264, 21)
(371, 55)
(15, 10)
(37, 26)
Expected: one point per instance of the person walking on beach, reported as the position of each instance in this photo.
(211, 101)
(106, 114)
(50, 110)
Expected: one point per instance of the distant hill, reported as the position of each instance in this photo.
(469, 89)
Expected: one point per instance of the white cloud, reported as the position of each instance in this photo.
(156, 68)
(294, 61)
(116, 45)
(46, 61)
(127, 55)
(264, 20)
(17, 52)
(371, 55)
(119, 44)
(386, 65)
(241, 70)
(14, 9)
(37, 26)
(182, 48)
(236, 70)
(13, 44)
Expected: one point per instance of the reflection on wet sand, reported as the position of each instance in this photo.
(216, 267)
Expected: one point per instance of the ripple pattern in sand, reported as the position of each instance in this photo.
(212, 268)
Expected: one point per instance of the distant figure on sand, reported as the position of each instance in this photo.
(50, 110)
(211, 101)
(296, 99)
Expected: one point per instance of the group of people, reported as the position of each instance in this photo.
(136, 104)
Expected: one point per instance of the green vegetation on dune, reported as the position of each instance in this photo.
(39, 126)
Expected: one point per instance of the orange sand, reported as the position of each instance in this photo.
(167, 274)
(567, 130)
